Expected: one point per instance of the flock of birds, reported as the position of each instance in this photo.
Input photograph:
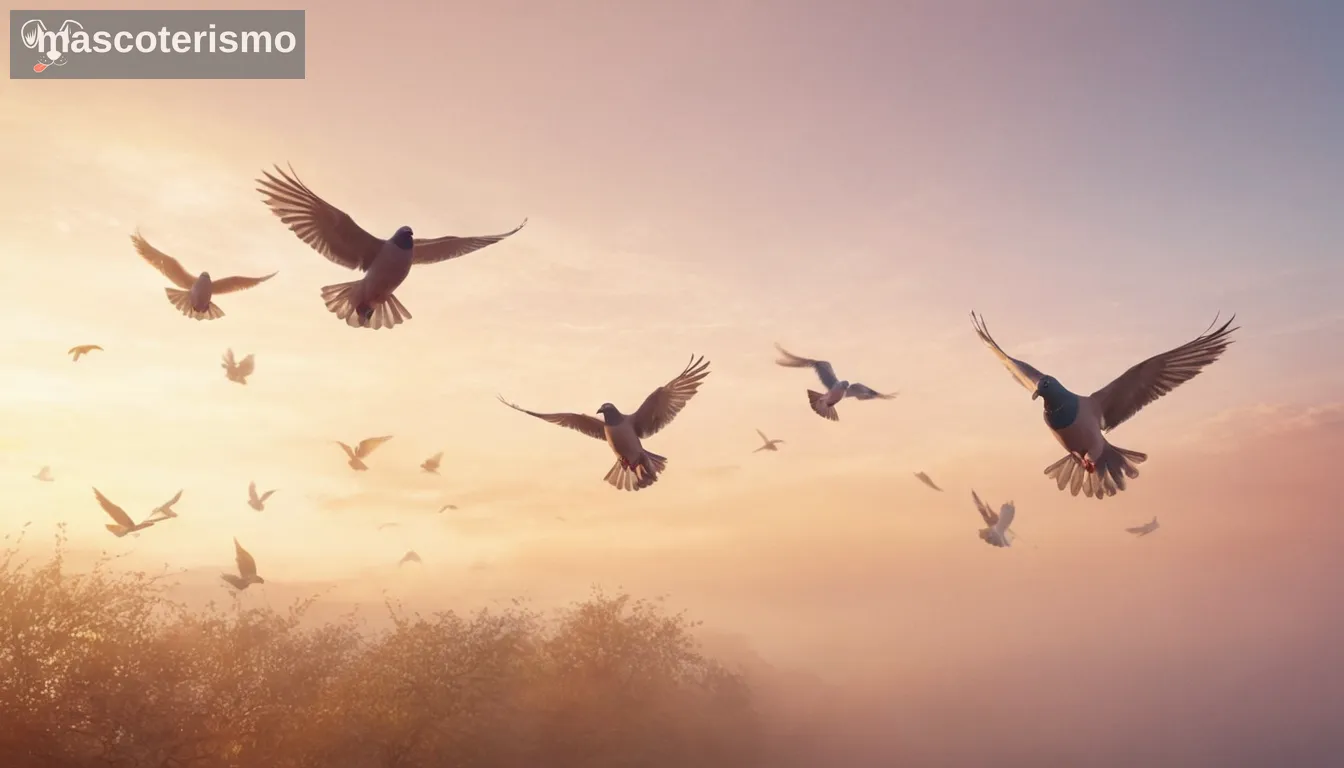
(1078, 422)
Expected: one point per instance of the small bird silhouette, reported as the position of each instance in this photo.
(247, 569)
(923, 478)
(823, 403)
(81, 350)
(769, 444)
(1145, 529)
(431, 464)
(446, 507)
(253, 500)
(998, 533)
(410, 557)
(238, 371)
(192, 294)
(123, 524)
(44, 474)
(165, 510)
(362, 451)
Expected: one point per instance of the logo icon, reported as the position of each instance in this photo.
(35, 32)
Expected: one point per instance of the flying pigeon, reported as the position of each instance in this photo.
(253, 500)
(165, 510)
(238, 371)
(410, 557)
(192, 294)
(447, 506)
(836, 389)
(362, 451)
(1078, 422)
(247, 569)
(123, 523)
(999, 532)
(81, 350)
(44, 474)
(431, 464)
(769, 444)
(635, 468)
(1145, 529)
(923, 478)
(367, 302)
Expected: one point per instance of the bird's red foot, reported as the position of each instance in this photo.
(1088, 465)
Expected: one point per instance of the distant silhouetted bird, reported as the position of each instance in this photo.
(998, 533)
(247, 569)
(369, 301)
(123, 523)
(44, 474)
(1145, 529)
(635, 467)
(410, 557)
(192, 294)
(253, 500)
(823, 403)
(239, 371)
(769, 444)
(431, 465)
(923, 478)
(165, 510)
(1079, 422)
(81, 350)
(446, 507)
(362, 451)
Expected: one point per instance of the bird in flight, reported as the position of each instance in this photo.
(253, 500)
(192, 296)
(925, 479)
(447, 506)
(81, 350)
(44, 474)
(247, 569)
(122, 523)
(998, 531)
(165, 510)
(823, 403)
(362, 451)
(635, 467)
(369, 301)
(238, 371)
(431, 465)
(1079, 422)
(1145, 529)
(410, 557)
(769, 444)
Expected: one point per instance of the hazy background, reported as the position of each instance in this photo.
(849, 179)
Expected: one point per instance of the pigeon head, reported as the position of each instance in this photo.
(1051, 391)
(205, 277)
(842, 384)
(609, 413)
(404, 238)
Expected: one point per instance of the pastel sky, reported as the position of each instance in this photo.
(849, 179)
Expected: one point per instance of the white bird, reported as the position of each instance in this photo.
(247, 569)
(999, 532)
(369, 301)
(925, 479)
(253, 500)
(238, 371)
(165, 510)
(635, 468)
(431, 465)
(769, 444)
(44, 474)
(81, 350)
(122, 523)
(1145, 529)
(1079, 422)
(836, 389)
(362, 451)
(410, 557)
(192, 296)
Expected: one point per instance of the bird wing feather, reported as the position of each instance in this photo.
(324, 227)
(588, 425)
(113, 511)
(236, 283)
(1025, 374)
(368, 444)
(990, 516)
(824, 370)
(436, 249)
(166, 265)
(247, 565)
(664, 403)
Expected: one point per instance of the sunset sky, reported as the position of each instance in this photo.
(849, 179)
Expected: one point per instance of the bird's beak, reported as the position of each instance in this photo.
(1035, 394)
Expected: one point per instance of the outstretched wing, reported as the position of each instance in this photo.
(578, 422)
(763, 437)
(235, 283)
(1158, 375)
(247, 565)
(176, 498)
(1006, 514)
(368, 444)
(824, 370)
(990, 516)
(252, 491)
(864, 392)
(1137, 529)
(167, 265)
(326, 228)
(117, 514)
(228, 359)
(267, 494)
(664, 403)
(435, 249)
(1026, 375)
(247, 366)
(348, 450)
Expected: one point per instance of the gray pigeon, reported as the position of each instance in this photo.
(122, 523)
(410, 557)
(362, 451)
(367, 302)
(836, 389)
(192, 294)
(925, 479)
(1078, 422)
(238, 371)
(247, 569)
(253, 500)
(998, 533)
(1145, 529)
(769, 444)
(635, 467)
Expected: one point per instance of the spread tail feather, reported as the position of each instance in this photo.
(822, 409)
(341, 301)
(1112, 468)
(182, 300)
(642, 476)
